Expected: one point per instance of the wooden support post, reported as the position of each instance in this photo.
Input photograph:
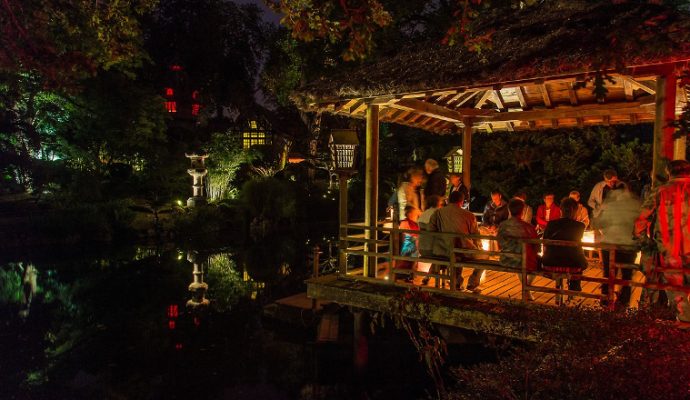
(612, 276)
(342, 219)
(451, 269)
(371, 187)
(466, 152)
(523, 275)
(679, 144)
(392, 246)
(663, 145)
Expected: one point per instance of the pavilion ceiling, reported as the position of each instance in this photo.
(537, 104)
(537, 74)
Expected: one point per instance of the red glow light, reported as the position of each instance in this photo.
(171, 106)
(172, 311)
(195, 95)
(197, 321)
(178, 346)
(176, 68)
(195, 109)
(169, 91)
(171, 324)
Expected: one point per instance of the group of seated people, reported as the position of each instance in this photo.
(509, 221)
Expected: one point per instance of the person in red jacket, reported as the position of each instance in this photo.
(547, 212)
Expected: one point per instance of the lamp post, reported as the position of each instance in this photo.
(343, 144)
(454, 159)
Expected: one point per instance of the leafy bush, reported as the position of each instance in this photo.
(271, 199)
(587, 354)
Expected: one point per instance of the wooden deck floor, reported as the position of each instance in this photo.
(507, 285)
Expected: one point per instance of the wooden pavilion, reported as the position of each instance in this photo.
(539, 73)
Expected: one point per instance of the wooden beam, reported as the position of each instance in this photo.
(580, 122)
(532, 124)
(466, 99)
(484, 97)
(498, 100)
(628, 88)
(588, 110)
(510, 127)
(435, 110)
(361, 108)
(636, 84)
(545, 95)
(606, 120)
(345, 106)
(455, 98)
(554, 122)
(521, 97)
(572, 94)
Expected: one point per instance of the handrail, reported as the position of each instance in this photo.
(458, 257)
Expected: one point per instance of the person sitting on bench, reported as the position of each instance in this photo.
(454, 219)
(565, 259)
(509, 234)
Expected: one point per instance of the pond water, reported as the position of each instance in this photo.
(121, 323)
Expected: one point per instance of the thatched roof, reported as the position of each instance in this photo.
(552, 39)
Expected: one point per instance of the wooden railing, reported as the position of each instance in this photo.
(387, 248)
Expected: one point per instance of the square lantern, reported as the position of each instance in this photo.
(454, 159)
(343, 144)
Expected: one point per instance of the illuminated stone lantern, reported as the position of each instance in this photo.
(343, 144)
(198, 287)
(454, 159)
(197, 171)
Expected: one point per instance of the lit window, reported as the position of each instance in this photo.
(176, 68)
(195, 109)
(195, 95)
(168, 92)
(252, 124)
(171, 106)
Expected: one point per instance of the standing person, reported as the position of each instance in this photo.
(435, 180)
(599, 192)
(408, 191)
(454, 219)
(410, 241)
(546, 212)
(455, 185)
(663, 219)
(426, 241)
(616, 221)
(581, 215)
(509, 234)
(565, 259)
(495, 212)
(527, 213)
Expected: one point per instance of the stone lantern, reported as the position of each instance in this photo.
(197, 171)
(198, 287)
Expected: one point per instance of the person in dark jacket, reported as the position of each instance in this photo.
(495, 212)
(435, 180)
(455, 185)
(565, 259)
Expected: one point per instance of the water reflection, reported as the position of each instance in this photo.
(158, 323)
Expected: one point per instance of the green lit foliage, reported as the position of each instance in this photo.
(227, 157)
(586, 354)
(65, 42)
(271, 199)
(225, 284)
